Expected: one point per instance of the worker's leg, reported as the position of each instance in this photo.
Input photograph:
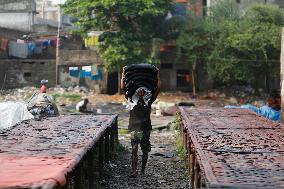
(146, 148)
(135, 140)
(134, 160)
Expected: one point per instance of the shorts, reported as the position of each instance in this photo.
(142, 138)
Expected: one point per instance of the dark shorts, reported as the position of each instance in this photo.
(142, 138)
(140, 127)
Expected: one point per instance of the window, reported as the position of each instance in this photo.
(27, 74)
(183, 78)
(166, 66)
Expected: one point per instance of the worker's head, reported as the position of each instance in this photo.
(43, 89)
(141, 93)
(86, 101)
(274, 100)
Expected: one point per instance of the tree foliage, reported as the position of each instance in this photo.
(237, 47)
(129, 27)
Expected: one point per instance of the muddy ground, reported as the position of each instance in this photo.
(164, 170)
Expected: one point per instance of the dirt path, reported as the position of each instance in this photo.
(164, 170)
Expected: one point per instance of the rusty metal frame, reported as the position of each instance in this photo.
(200, 168)
(88, 169)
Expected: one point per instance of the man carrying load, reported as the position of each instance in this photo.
(141, 85)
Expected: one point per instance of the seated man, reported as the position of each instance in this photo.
(82, 106)
(271, 111)
(41, 104)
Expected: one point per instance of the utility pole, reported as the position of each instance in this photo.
(43, 8)
(58, 44)
(282, 75)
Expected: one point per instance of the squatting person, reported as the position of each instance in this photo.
(140, 122)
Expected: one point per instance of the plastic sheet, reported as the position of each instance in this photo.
(12, 113)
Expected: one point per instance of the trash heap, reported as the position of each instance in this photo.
(140, 75)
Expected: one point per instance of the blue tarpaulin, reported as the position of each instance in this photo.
(264, 111)
(99, 75)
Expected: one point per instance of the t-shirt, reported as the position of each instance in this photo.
(139, 119)
(80, 107)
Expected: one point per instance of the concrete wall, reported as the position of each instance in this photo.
(65, 80)
(78, 57)
(17, 14)
(17, 5)
(245, 3)
(19, 21)
(17, 73)
(278, 2)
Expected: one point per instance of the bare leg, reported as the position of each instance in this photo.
(144, 162)
(134, 161)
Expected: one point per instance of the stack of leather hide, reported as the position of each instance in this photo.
(140, 75)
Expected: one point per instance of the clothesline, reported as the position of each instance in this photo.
(94, 72)
(22, 48)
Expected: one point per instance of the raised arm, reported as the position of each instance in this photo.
(158, 86)
(122, 83)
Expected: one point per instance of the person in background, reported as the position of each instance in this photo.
(42, 104)
(82, 106)
(43, 88)
(271, 111)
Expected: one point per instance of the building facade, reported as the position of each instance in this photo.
(245, 3)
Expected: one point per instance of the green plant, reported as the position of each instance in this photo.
(175, 124)
(123, 131)
(74, 98)
(119, 149)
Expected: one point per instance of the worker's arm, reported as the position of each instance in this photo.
(122, 83)
(158, 87)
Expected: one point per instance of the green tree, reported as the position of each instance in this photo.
(129, 27)
(223, 22)
(244, 47)
(258, 42)
(192, 45)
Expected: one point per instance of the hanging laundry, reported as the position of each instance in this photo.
(82, 74)
(4, 44)
(45, 44)
(18, 50)
(20, 41)
(87, 70)
(92, 41)
(51, 42)
(74, 71)
(31, 48)
(99, 75)
(38, 48)
(95, 69)
(55, 41)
